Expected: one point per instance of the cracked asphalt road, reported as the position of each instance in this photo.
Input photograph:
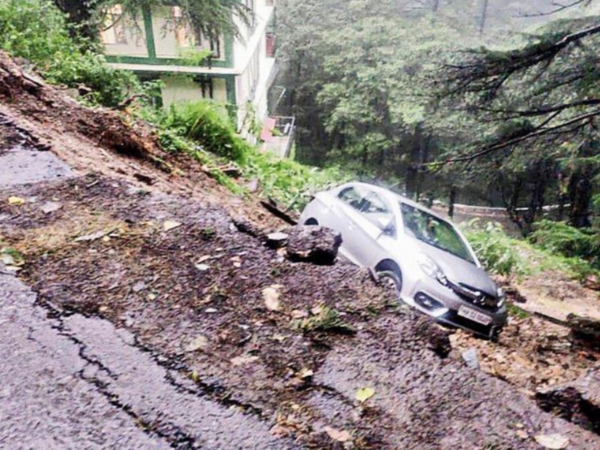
(45, 402)
(79, 383)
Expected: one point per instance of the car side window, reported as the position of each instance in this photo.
(352, 197)
(376, 209)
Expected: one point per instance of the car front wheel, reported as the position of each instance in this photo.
(390, 278)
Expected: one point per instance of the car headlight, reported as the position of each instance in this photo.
(431, 269)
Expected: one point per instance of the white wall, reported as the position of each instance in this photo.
(135, 37)
(182, 88)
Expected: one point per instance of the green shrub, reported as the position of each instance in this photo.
(559, 237)
(36, 31)
(495, 249)
(208, 124)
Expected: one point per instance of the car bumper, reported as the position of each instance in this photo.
(443, 304)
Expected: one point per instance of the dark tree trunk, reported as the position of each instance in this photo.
(580, 196)
(80, 15)
(452, 202)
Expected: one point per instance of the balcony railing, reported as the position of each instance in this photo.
(278, 135)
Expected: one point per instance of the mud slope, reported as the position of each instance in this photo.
(103, 140)
(176, 281)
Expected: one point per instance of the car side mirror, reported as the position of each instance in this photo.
(386, 226)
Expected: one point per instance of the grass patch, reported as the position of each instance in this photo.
(328, 320)
(505, 255)
(204, 131)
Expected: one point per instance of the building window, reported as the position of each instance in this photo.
(181, 28)
(114, 26)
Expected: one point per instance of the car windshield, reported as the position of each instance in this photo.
(433, 231)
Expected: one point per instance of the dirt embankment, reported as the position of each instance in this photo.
(105, 141)
(291, 343)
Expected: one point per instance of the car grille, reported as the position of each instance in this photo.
(475, 297)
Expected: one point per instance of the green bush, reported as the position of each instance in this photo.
(208, 124)
(36, 31)
(569, 241)
(495, 249)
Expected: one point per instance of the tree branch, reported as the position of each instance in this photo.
(539, 131)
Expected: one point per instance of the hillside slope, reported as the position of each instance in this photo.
(160, 315)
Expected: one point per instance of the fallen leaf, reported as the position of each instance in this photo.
(204, 259)
(316, 310)
(337, 435)
(244, 360)
(8, 260)
(151, 296)
(306, 373)
(50, 207)
(202, 267)
(553, 441)
(200, 343)
(364, 394)
(522, 434)
(91, 237)
(17, 201)
(271, 297)
(296, 314)
(171, 225)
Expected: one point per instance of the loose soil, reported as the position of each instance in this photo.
(250, 329)
(158, 255)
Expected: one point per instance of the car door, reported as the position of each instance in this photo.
(370, 242)
(345, 216)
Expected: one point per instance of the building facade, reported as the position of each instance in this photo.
(158, 44)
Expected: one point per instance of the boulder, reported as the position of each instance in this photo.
(277, 240)
(584, 330)
(314, 244)
(578, 402)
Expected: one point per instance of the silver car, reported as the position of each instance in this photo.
(425, 256)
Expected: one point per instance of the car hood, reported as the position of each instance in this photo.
(460, 271)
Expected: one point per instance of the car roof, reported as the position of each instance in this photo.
(403, 199)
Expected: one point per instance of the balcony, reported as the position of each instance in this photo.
(278, 135)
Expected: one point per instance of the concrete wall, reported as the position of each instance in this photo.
(180, 88)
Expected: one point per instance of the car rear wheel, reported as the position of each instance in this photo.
(390, 278)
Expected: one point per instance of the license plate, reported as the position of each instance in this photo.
(475, 316)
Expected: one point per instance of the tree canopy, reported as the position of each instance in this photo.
(211, 17)
(492, 100)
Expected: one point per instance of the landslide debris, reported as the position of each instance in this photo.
(43, 117)
(190, 287)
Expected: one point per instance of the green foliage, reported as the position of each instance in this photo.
(327, 319)
(207, 124)
(203, 130)
(289, 182)
(495, 249)
(36, 31)
(569, 241)
(505, 255)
